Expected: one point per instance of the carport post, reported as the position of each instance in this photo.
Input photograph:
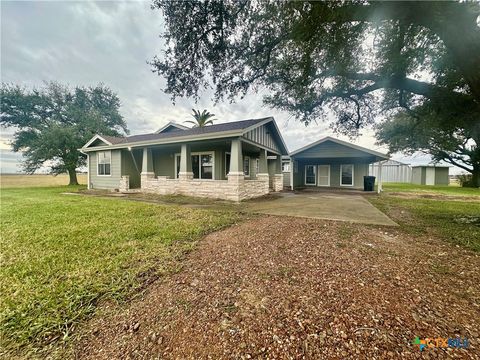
(291, 174)
(379, 186)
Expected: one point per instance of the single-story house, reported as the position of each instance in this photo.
(330, 162)
(430, 175)
(233, 161)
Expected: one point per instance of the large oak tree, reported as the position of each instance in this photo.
(357, 59)
(53, 122)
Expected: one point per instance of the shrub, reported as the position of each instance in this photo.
(466, 180)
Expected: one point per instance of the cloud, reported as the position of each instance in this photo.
(85, 43)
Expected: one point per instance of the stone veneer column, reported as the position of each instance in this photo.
(186, 172)
(236, 176)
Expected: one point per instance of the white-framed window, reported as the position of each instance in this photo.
(285, 166)
(310, 175)
(246, 166)
(104, 163)
(227, 163)
(203, 165)
(346, 175)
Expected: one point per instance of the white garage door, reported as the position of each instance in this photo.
(430, 176)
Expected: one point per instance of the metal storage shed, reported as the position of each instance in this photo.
(392, 171)
(430, 175)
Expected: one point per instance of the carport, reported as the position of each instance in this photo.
(332, 163)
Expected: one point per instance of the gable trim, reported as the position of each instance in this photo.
(340, 142)
(171, 123)
(96, 137)
(279, 134)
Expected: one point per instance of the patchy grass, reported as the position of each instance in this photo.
(441, 190)
(457, 222)
(63, 254)
(37, 180)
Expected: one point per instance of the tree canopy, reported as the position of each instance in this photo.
(53, 122)
(357, 59)
(443, 140)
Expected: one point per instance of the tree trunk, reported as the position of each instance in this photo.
(476, 176)
(73, 176)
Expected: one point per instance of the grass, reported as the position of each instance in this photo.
(63, 254)
(457, 222)
(37, 180)
(442, 190)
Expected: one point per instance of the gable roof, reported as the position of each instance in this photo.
(171, 125)
(340, 142)
(236, 128)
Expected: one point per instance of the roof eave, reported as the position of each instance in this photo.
(172, 140)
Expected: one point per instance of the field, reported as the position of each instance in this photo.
(427, 189)
(64, 254)
(40, 180)
(451, 213)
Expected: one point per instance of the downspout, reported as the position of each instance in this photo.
(380, 185)
(88, 168)
(133, 158)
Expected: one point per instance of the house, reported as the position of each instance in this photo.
(330, 162)
(233, 161)
(392, 171)
(430, 175)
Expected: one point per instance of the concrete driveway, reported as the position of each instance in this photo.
(323, 205)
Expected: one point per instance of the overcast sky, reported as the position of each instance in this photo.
(85, 43)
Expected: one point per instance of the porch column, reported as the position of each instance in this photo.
(185, 163)
(147, 163)
(278, 176)
(263, 165)
(236, 159)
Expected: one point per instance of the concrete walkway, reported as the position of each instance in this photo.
(329, 206)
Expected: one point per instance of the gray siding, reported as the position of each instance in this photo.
(263, 135)
(107, 181)
(330, 149)
(129, 168)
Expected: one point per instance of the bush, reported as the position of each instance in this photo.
(466, 180)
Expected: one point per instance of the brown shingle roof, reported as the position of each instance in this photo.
(230, 126)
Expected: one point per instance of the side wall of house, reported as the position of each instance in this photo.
(360, 169)
(111, 181)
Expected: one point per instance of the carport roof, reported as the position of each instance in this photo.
(379, 156)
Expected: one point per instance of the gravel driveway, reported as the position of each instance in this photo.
(274, 287)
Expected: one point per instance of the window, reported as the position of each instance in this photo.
(257, 166)
(227, 163)
(285, 166)
(104, 162)
(346, 175)
(310, 175)
(206, 166)
(246, 166)
(202, 165)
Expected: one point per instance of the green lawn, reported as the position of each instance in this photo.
(454, 221)
(443, 190)
(62, 254)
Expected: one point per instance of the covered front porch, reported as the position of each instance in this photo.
(230, 169)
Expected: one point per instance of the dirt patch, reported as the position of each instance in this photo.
(276, 287)
(434, 196)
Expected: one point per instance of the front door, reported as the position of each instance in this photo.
(323, 175)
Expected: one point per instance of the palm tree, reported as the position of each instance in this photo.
(202, 119)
